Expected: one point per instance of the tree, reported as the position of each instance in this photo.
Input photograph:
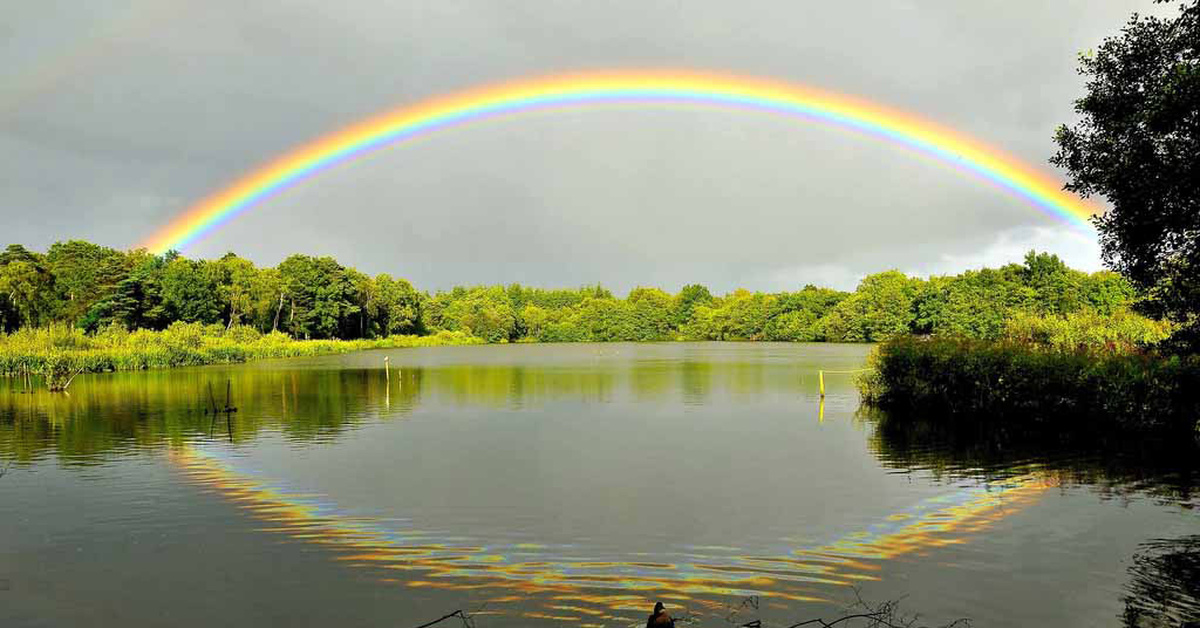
(1136, 145)
(321, 297)
(603, 319)
(688, 299)
(189, 291)
(881, 307)
(27, 293)
(742, 315)
(484, 313)
(397, 306)
(237, 278)
(652, 312)
(84, 273)
(136, 301)
(797, 315)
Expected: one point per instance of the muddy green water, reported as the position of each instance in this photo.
(561, 484)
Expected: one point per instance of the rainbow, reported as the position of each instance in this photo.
(579, 586)
(672, 87)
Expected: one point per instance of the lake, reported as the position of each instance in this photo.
(573, 484)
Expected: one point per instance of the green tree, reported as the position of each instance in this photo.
(652, 312)
(189, 291)
(84, 273)
(742, 315)
(1107, 292)
(701, 324)
(136, 302)
(27, 291)
(321, 297)
(484, 313)
(237, 279)
(688, 299)
(797, 315)
(398, 306)
(605, 320)
(1136, 145)
(1056, 288)
(881, 307)
(976, 303)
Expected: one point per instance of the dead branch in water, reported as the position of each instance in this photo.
(458, 613)
(468, 619)
(883, 615)
(54, 380)
(860, 613)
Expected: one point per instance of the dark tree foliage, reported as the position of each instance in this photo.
(95, 287)
(1137, 144)
(136, 302)
(26, 288)
(84, 273)
(1164, 587)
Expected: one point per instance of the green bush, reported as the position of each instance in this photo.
(1121, 330)
(1022, 382)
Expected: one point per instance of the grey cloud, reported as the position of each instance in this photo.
(114, 117)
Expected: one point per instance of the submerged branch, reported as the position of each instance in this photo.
(883, 615)
(457, 613)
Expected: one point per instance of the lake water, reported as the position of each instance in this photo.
(562, 484)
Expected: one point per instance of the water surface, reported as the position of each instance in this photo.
(554, 484)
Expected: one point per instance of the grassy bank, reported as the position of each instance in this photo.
(58, 350)
(1021, 382)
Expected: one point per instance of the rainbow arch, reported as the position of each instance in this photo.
(723, 91)
(607, 585)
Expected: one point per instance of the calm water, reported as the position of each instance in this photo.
(553, 484)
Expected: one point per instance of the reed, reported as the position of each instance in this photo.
(1020, 382)
(51, 351)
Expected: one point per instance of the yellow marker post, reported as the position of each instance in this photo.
(387, 389)
(821, 377)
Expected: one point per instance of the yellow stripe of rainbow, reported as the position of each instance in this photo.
(709, 579)
(673, 87)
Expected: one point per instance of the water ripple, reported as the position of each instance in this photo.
(580, 587)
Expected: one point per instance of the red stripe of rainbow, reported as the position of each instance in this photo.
(674, 87)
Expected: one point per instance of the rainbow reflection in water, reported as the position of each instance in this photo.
(589, 591)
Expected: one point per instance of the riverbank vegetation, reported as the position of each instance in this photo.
(1024, 383)
(98, 289)
(56, 352)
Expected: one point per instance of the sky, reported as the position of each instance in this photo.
(116, 116)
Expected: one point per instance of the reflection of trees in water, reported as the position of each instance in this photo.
(1114, 465)
(110, 414)
(1164, 587)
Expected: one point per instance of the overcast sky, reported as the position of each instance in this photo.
(115, 116)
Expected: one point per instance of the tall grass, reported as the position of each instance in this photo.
(1020, 382)
(60, 349)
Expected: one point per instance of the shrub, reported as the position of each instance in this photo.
(1021, 382)
(1123, 330)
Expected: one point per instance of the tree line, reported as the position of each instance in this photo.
(93, 287)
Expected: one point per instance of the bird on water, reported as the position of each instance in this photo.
(660, 618)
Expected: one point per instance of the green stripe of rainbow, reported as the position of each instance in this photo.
(598, 586)
(623, 88)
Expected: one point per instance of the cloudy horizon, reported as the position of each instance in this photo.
(115, 117)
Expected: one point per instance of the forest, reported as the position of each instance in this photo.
(95, 288)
